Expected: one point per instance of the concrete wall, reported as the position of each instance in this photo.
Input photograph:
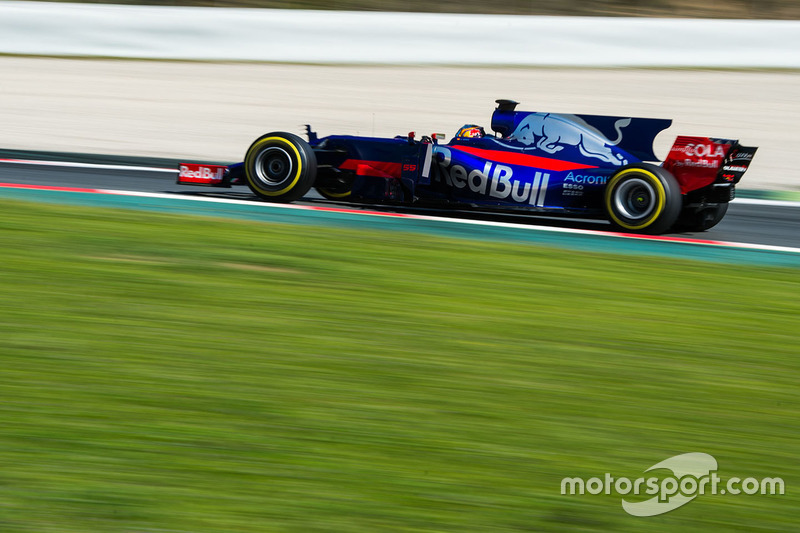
(340, 37)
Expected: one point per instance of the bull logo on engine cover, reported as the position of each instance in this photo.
(552, 133)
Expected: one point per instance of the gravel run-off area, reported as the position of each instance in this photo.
(213, 111)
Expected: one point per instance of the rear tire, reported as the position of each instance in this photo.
(280, 167)
(643, 198)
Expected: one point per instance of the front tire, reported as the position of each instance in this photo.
(643, 198)
(280, 167)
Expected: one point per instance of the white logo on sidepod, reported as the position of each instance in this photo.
(495, 180)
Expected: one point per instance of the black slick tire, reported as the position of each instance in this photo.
(643, 198)
(280, 167)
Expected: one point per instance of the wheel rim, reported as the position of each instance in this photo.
(635, 199)
(273, 166)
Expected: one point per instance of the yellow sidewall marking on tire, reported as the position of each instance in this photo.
(254, 150)
(662, 195)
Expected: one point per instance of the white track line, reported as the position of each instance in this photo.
(775, 203)
(528, 227)
(367, 212)
(70, 164)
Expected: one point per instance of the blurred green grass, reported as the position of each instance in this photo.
(165, 373)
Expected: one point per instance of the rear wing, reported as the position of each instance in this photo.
(698, 162)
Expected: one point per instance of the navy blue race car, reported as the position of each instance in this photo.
(545, 163)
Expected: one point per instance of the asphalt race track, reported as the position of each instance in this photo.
(747, 221)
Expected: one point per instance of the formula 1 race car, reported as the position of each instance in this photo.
(579, 165)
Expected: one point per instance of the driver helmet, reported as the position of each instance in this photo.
(470, 131)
